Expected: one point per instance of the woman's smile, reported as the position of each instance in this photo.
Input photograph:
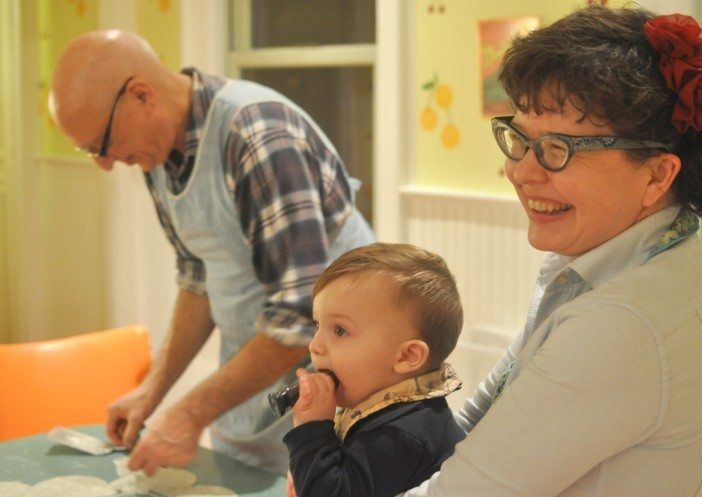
(547, 206)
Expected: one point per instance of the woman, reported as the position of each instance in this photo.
(601, 395)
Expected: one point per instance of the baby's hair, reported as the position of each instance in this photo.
(423, 280)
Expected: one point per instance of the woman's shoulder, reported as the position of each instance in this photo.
(664, 292)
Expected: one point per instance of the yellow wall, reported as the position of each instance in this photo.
(70, 202)
(159, 22)
(446, 45)
(59, 21)
(62, 20)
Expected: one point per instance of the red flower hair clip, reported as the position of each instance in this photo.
(677, 40)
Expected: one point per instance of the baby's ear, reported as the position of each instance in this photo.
(412, 357)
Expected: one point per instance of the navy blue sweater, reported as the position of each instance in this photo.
(388, 452)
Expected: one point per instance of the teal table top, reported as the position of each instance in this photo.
(37, 458)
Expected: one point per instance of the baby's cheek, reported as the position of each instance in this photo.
(342, 398)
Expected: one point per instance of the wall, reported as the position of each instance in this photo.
(109, 264)
(59, 21)
(73, 244)
(446, 44)
(62, 20)
(159, 22)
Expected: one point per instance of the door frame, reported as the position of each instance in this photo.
(24, 257)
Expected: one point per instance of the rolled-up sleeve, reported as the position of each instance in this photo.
(291, 194)
(191, 275)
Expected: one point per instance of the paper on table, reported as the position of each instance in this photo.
(81, 441)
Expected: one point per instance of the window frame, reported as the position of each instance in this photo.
(387, 58)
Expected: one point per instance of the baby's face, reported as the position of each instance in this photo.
(359, 332)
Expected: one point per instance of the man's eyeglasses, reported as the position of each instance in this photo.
(106, 137)
(555, 150)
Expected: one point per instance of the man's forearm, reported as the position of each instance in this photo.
(256, 366)
(189, 330)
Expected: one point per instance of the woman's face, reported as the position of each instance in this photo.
(598, 195)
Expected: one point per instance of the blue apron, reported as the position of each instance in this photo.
(206, 220)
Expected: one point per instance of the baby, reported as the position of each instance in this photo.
(387, 316)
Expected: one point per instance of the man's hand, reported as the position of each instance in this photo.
(171, 440)
(126, 415)
(190, 328)
(317, 400)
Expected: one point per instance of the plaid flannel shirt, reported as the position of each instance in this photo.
(290, 192)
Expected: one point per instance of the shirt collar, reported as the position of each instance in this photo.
(203, 90)
(629, 249)
(437, 383)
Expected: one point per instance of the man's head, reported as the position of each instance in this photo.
(384, 313)
(113, 98)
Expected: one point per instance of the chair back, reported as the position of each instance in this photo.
(68, 381)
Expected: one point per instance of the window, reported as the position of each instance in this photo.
(321, 55)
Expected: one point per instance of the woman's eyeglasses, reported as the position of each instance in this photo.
(555, 150)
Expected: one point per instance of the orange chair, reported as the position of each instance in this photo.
(68, 381)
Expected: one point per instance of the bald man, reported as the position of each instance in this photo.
(256, 203)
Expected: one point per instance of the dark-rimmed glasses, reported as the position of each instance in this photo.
(106, 137)
(553, 151)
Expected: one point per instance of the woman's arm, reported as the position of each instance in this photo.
(475, 407)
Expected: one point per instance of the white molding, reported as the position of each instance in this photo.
(414, 191)
(203, 35)
(18, 25)
(483, 239)
(10, 295)
(324, 56)
(390, 104)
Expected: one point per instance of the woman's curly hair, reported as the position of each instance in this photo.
(599, 61)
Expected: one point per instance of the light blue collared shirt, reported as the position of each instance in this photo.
(602, 390)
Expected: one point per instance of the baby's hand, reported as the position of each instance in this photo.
(317, 401)
(290, 486)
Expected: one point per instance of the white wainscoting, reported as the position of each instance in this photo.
(484, 241)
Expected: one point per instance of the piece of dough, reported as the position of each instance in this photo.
(171, 482)
(203, 495)
(171, 478)
(201, 491)
(13, 489)
(165, 481)
(130, 484)
(121, 466)
(71, 486)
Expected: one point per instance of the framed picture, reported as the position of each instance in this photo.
(495, 37)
